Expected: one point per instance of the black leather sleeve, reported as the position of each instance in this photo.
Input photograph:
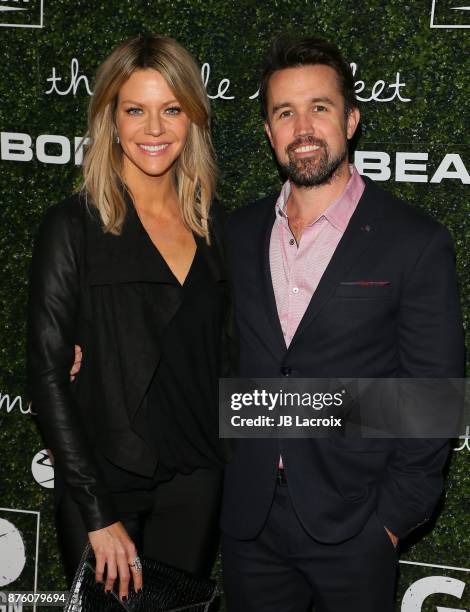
(53, 310)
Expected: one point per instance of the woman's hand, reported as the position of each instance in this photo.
(115, 550)
(392, 537)
(77, 364)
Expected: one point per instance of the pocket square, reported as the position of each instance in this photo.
(366, 283)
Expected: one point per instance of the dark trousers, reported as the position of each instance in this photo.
(285, 570)
(177, 522)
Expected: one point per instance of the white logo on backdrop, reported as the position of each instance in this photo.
(406, 167)
(465, 444)
(12, 553)
(21, 13)
(74, 81)
(43, 469)
(410, 167)
(18, 549)
(380, 91)
(420, 590)
(9, 403)
(453, 14)
(377, 93)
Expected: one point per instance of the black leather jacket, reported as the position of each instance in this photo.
(77, 268)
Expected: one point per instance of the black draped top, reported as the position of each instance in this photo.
(182, 409)
(178, 418)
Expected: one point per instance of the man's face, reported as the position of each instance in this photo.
(307, 125)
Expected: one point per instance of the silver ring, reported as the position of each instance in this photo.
(136, 564)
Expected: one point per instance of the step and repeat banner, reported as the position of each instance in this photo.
(410, 61)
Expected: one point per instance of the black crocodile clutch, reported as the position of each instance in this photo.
(166, 589)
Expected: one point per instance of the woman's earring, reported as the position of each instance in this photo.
(117, 139)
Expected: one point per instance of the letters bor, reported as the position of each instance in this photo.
(21, 13)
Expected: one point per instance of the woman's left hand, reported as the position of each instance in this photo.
(115, 551)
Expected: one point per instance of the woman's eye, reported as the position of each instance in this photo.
(133, 111)
(173, 110)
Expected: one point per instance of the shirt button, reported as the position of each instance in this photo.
(295, 290)
(291, 241)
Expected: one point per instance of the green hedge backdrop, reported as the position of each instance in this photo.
(411, 57)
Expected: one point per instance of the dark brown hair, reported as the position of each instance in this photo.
(288, 52)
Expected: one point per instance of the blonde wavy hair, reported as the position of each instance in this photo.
(194, 172)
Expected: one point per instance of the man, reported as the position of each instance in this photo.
(333, 277)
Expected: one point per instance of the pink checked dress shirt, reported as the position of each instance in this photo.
(297, 270)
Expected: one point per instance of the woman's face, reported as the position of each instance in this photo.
(151, 125)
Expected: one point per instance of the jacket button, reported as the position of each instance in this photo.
(286, 370)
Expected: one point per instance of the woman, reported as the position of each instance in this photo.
(130, 269)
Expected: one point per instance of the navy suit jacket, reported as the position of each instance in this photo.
(410, 327)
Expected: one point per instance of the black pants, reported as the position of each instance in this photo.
(285, 570)
(176, 523)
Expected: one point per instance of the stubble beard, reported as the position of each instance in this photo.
(319, 169)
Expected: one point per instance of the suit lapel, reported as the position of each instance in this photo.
(358, 236)
(268, 291)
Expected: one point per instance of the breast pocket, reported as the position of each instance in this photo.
(350, 290)
(365, 310)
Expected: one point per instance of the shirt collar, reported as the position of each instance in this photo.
(340, 211)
